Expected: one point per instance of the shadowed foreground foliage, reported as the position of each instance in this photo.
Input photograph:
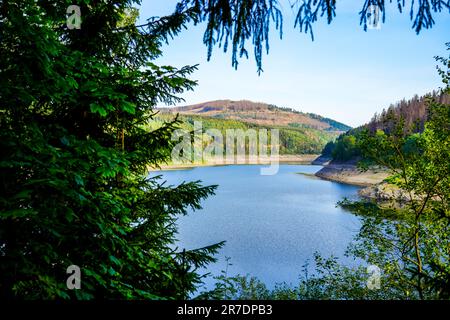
(74, 186)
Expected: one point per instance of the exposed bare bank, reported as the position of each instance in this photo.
(349, 173)
(286, 159)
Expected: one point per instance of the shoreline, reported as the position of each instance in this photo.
(372, 182)
(350, 174)
(346, 173)
(306, 159)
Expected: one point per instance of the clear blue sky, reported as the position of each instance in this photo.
(345, 73)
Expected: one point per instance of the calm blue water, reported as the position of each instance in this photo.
(271, 224)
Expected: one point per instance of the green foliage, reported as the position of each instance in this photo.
(345, 148)
(240, 288)
(414, 248)
(327, 151)
(74, 183)
(329, 281)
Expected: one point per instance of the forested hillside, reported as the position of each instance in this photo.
(300, 133)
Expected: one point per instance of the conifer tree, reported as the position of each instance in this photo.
(74, 185)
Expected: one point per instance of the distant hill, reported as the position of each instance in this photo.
(258, 113)
(300, 133)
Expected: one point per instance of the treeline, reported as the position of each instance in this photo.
(334, 125)
(411, 114)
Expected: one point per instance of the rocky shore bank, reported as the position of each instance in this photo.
(349, 173)
(372, 180)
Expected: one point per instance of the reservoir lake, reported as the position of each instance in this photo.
(272, 224)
